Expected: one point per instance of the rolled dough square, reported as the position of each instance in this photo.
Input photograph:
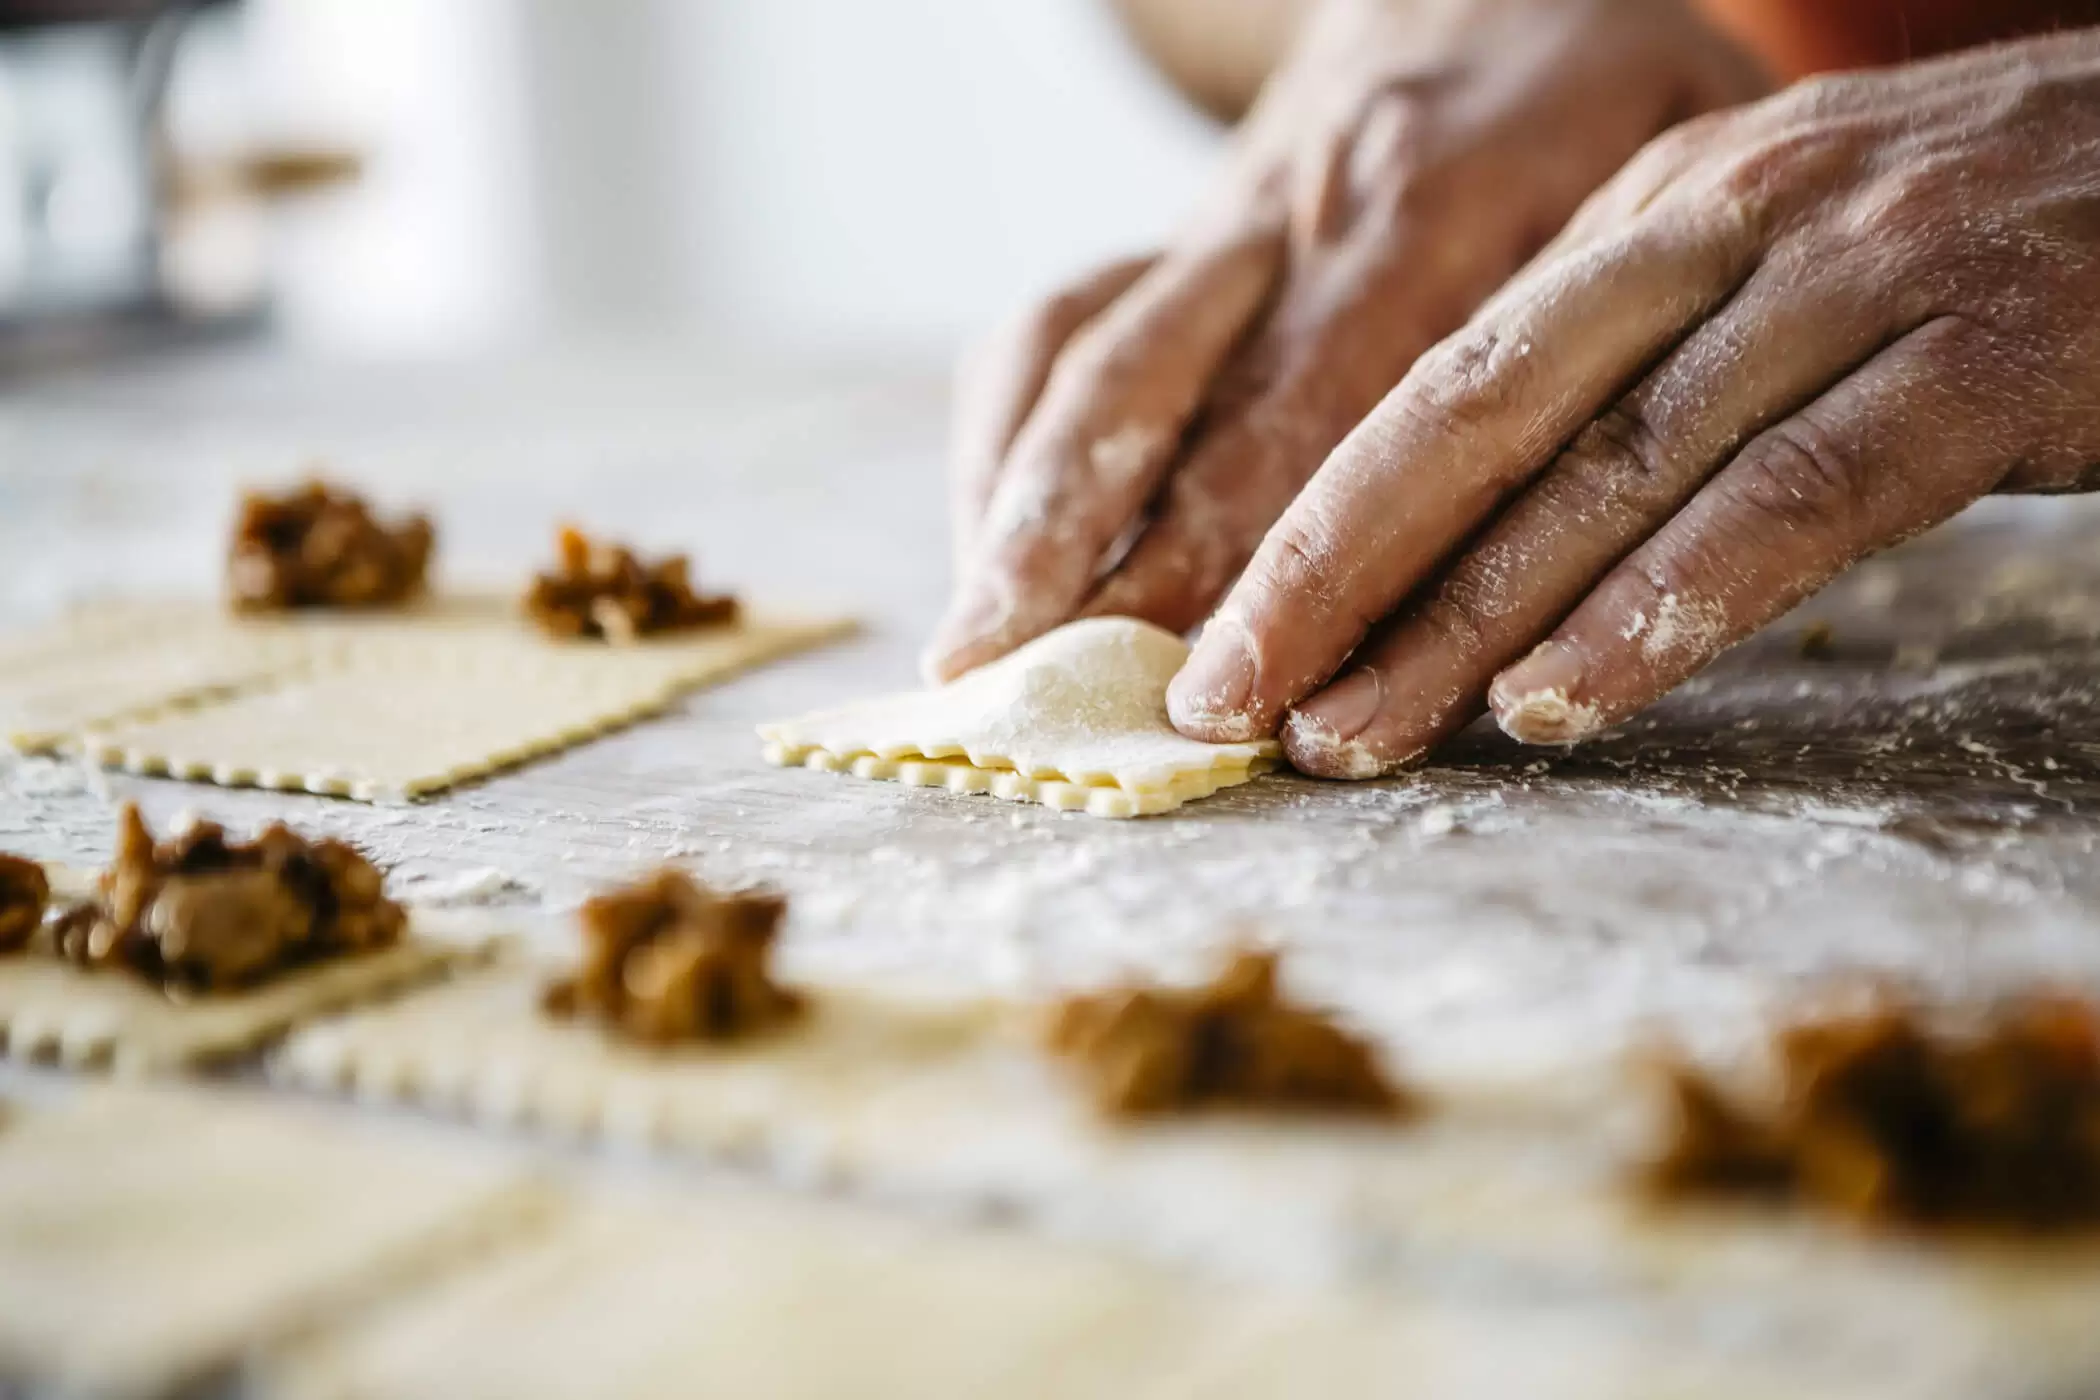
(723, 1290)
(118, 662)
(148, 1239)
(410, 708)
(53, 1011)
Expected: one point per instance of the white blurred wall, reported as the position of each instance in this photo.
(859, 175)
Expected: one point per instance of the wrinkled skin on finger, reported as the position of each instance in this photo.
(1786, 336)
(1125, 446)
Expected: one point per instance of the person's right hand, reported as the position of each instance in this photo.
(1125, 446)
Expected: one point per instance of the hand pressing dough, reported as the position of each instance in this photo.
(149, 1239)
(107, 1019)
(404, 705)
(1510, 1194)
(1075, 720)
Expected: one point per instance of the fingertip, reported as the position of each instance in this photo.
(1543, 698)
(1208, 698)
(1318, 749)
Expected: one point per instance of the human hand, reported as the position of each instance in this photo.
(1124, 447)
(1784, 337)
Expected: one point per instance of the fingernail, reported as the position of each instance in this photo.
(1208, 700)
(1347, 707)
(1537, 700)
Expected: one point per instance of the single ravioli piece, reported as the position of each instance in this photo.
(414, 706)
(52, 1011)
(1075, 720)
(150, 1239)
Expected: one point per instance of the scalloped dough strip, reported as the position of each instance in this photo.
(949, 1106)
(150, 1240)
(53, 1012)
(417, 707)
(955, 775)
(1075, 720)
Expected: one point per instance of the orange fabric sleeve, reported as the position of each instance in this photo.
(1796, 37)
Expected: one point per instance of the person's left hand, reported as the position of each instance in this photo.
(1784, 337)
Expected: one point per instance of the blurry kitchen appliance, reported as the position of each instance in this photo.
(85, 183)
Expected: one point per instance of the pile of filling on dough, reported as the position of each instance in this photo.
(1235, 1042)
(24, 894)
(1891, 1119)
(603, 590)
(199, 912)
(669, 960)
(319, 547)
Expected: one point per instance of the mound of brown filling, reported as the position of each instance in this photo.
(24, 894)
(321, 548)
(199, 912)
(1892, 1120)
(603, 590)
(668, 960)
(1236, 1042)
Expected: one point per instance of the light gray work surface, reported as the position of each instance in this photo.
(1922, 805)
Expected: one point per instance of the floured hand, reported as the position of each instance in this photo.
(1784, 337)
(1404, 163)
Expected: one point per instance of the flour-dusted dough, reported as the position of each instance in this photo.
(150, 1238)
(1075, 720)
(122, 661)
(1521, 1190)
(409, 706)
(728, 1291)
(731, 1291)
(52, 1011)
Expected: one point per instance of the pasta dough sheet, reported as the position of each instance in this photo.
(55, 1012)
(149, 1239)
(122, 662)
(739, 1292)
(407, 709)
(1075, 720)
(1521, 1190)
(727, 1291)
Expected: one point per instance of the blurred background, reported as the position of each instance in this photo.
(445, 177)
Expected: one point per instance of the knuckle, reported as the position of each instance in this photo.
(1796, 478)
(1817, 95)
(1800, 161)
(1621, 457)
(1468, 381)
(1899, 210)
(1300, 561)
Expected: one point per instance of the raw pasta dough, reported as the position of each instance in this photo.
(389, 705)
(1520, 1189)
(53, 1011)
(727, 1291)
(730, 1291)
(1075, 720)
(120, 662)
(149, 1238)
